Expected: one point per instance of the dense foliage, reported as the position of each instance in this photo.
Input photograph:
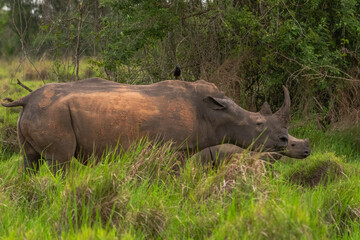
(250, 48)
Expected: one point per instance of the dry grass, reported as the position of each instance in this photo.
(227, 76)
(94, 200)
(243, 171)
(151, 221)
(347, 112)
(8, 138)
(153, 161)
(44, 70)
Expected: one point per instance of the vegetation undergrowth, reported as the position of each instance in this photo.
(139, 194)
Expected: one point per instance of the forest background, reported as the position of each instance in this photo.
(248, 48)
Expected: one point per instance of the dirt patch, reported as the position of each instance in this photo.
(324, 172)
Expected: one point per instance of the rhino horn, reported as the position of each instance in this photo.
(265, 109)
(284, 112)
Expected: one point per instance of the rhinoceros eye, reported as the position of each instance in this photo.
(293, 144)
(259, 123)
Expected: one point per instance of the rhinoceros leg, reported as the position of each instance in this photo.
(50, 134)
(56, 159)
(31, 157)
(59, 153)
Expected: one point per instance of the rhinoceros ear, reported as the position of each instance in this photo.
(265, 109)
(214, 103)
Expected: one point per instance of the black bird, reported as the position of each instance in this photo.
(177, 72)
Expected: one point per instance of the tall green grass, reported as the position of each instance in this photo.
(140, 195)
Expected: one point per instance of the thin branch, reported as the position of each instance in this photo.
(196, 14)
(22, 85)
(318, 103)
(176, 49)
(21, 35)
(81, 20)
(318, 73)
(296, 21)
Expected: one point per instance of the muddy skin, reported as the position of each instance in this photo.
(61, 120)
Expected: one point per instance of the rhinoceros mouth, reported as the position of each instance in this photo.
(306, 154)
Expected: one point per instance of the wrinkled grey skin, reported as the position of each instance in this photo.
(213, 156)
(296, 148)
(77, 119)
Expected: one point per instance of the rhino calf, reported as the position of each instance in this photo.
(78, 119)
(297, 148)
(215, 155)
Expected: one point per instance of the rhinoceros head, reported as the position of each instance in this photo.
(261, 129)
(297, 148)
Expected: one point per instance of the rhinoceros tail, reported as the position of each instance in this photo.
(8, 102)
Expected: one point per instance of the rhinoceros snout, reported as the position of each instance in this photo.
(306, 153)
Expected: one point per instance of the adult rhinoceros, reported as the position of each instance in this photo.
(61, 120)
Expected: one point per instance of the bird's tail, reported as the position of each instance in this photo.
(177, 72)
